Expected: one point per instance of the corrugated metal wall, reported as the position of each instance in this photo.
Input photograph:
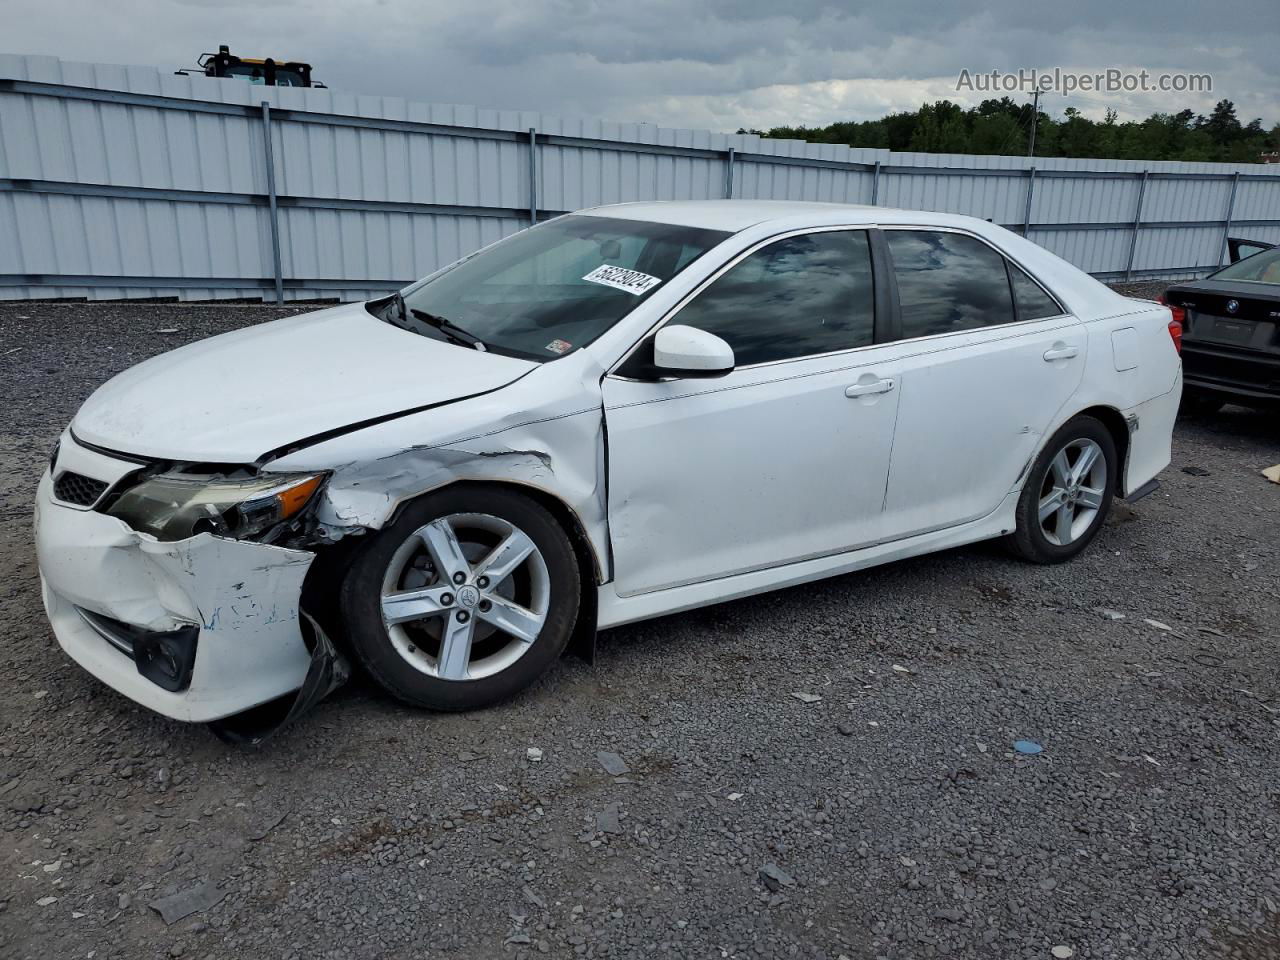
(134, 182)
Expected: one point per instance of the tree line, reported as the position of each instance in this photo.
(1004, 127)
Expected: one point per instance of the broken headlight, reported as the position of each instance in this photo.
(174, 507)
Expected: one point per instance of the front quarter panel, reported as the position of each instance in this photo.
(544, 432)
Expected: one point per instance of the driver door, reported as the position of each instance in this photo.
(783, 459)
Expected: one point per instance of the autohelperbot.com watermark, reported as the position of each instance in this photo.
(1067, 82)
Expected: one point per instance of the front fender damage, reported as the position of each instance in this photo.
(557, 457)
(561, 458)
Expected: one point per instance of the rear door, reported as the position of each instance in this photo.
(988, 358)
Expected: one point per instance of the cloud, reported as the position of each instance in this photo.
(700, 63)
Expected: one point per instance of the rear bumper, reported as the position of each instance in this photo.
(1150, 439)
(234, 603)
(1232, 371)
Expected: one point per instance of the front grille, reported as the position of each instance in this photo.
(78, 489)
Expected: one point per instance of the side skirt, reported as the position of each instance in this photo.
(615, 610)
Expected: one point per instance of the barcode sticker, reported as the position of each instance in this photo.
(620, 278)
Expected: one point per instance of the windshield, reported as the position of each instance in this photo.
(553, 289)
(1262, 267)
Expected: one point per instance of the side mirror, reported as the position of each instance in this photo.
(681, 351)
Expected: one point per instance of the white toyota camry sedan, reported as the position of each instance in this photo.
(622, 413)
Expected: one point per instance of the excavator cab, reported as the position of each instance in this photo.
(268, 72)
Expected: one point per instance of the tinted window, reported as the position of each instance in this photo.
(1033, 303)
(1263, 267)
(948, 282)
(794, 298)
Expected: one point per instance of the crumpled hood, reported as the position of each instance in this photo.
(234, 397)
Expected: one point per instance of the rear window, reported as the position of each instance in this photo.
(1262, 267)
(1031, 300)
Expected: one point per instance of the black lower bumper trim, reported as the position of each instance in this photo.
(165, 657)
(1232, 371)
(1148, 488)
(329, 670)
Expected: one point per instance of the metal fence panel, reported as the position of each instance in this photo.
(133, 182)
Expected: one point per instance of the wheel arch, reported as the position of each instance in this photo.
(565, 515)
(1118, 427)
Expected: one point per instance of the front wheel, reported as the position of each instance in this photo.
(1068, 492)
(468, 598)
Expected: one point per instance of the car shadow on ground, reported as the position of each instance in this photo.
(1244, 423)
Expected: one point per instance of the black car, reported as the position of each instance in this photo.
(1231, 330)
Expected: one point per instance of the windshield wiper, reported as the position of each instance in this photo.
(449, 329)
(397, 301)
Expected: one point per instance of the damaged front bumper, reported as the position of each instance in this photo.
(198, 629)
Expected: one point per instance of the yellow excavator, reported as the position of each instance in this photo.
(268, 72)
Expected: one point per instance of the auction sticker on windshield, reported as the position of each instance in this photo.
(620, 278)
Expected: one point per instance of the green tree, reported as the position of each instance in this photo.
(1001, 126)
(998, 134)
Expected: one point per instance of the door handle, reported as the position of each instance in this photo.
(1060, 351)
(867, 389)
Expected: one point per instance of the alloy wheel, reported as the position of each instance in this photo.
(465, 596)
(1072, 491)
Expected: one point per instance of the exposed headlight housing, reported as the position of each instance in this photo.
(175, 507)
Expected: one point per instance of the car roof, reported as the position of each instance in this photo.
(1083, 295)
(736, 215)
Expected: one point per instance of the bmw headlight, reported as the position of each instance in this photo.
(174, 507)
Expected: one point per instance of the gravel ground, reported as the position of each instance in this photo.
(891, 818)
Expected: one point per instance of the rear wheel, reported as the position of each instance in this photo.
(464, 601)
(1067, 494)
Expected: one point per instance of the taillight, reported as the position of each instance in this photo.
(1177, 319)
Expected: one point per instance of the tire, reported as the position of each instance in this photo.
(1080, 506)
(1200, 403)
(407, 615)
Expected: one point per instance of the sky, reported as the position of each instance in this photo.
(712, 64)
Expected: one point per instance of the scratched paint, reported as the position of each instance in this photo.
(538, 433)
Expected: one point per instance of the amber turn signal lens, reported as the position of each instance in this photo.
(295, 498)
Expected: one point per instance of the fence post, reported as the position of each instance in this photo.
(1026, 211)
(271, 199)
(1137, 225)
(728, 173)
(875, 184)
(533, 176)
(1231, 209)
